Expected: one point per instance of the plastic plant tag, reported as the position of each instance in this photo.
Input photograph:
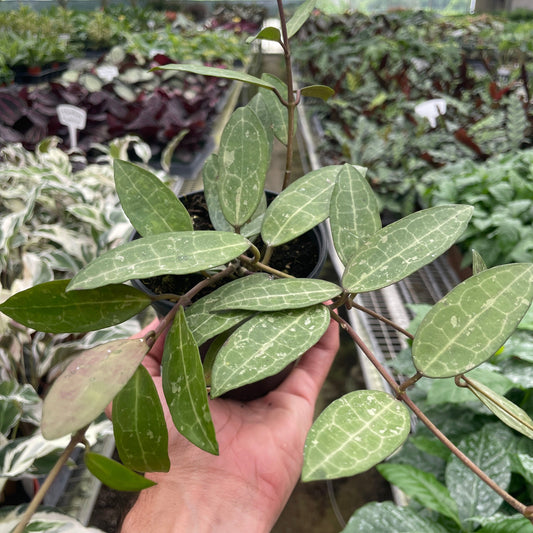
(74, 118)
(431, 109)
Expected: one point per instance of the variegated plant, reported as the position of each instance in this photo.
(273, 318)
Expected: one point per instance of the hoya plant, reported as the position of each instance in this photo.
(259, 319)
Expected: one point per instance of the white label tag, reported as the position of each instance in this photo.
(431, 109)
(74, 118)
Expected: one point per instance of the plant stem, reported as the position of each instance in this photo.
(261, 266)
(38, 498)
(520, 507)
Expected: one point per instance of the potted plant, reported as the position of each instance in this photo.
(263, 319)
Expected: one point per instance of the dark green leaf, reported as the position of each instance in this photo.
(48, 307)
(268, 33)
(115, 475)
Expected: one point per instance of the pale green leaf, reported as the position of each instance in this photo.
(184, 386)
(167, 253)
(47, 307)
(300, 16)
(300, 207)
(276, 117)
(168, 152)
(403, 247)
(88, 384)
(265, 345)
(262, 293)
(473, 321)
(509, 413)
(354, 212)
(478, 265)
(422, 487)
(353, 434)
(149, 204)
(318, 91)
(139, 425)
(217, 72)
(243, 160)
(115, 475)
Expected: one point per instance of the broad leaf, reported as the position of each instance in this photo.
(244, 158)
(47, 307)
(403, 247)
(218, 73)
(115, 475)
(268, 33)
(277, 118)
(262, 293)
(318, 91)
(489, 449)
(473, 321)
(184, 386)
(508, 412)
(500, 523)
(167, 253)
(265, 345)
(88, 384)
(149, 204)
(422, 487)
(139, 425)
(353, 434)
(354, 212)
(379, 517)
(300, 207)
(300, 16)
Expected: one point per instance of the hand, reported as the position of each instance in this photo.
(261, 454)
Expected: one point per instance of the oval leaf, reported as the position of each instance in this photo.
(509, 413)
(260, 293)
(149, 204)
(265, 345)
(88, 384)
(167, 253)
(353, 434)
(354, 212)
(47, 307)
(300, 207)
(268, 33)
(184, 386)
(139, 425)
(300, 16)
(403, 247)
(318, 91)
(244, 158)
(115, 475)
(468, 325)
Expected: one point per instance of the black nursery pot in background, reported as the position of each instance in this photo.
(302, 257)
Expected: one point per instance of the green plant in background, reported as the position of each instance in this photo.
(264, 319)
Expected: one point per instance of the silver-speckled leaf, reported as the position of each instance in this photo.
(354, 212)
(277, 112)
(353, 434)
(243, 160)
(468, 325)
(403, 247)
(300, 207)
(260, 293)
(265, 345)
(183, 252)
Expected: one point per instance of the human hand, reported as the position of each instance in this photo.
(261, 444)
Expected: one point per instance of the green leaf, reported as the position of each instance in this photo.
(300, 207)
(88, 384)
(115, 475)
(218, 73)
(300, 16)
(262, 293)
(139, 425)
(265, 345)
(473, 321)
(509, 413)
(10, 413)
(354, 212)
(184, 386)
(277, 118)
(506, 524)
(403, 247)
(318, 91)
(378, 517)
(168, 152)
(47, 307)
(244, 158)
(167, 253)
(150, 205)
(488, 448)
(268, 33)
(422, 487)
(354, 433)
(478, 265)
